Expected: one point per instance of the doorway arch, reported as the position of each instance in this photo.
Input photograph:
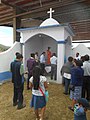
(38, 43)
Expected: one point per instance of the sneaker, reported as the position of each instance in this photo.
(70, 108)
(22, 106)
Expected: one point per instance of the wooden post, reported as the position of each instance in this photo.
(16, 25)
(14, 30)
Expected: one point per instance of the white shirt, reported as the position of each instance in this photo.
(77, 58)
(38, 92)
(42, 59)
(86, 68)
(53, 60)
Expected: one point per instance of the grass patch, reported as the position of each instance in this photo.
(57, 106)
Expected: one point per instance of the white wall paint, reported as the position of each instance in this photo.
(56, 34)
(82, 49)
(8, 56)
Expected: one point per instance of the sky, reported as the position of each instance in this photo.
(6, 36)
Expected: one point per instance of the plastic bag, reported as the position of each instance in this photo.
(46, 95)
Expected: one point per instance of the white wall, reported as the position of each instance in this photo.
(82, 49)
(35, 44)
(55, 32)
(39, 44)
(68, 48)
(8, 56)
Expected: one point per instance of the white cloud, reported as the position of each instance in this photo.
(6, 36)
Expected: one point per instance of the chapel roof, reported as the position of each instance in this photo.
(49, 22)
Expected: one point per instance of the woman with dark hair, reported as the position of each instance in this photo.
(38, 84)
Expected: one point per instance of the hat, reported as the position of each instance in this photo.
(84, 102)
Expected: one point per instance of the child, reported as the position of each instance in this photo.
(80, 109)
(38, 84)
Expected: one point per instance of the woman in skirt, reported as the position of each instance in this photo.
(38, 84)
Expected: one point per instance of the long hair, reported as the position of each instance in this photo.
(36, 77)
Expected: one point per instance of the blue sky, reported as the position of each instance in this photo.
(6, 36)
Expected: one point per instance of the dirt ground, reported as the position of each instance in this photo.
(57, 106)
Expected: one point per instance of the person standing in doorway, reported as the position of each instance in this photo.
(42, 63)
(48, 56)
(53, 61)
(30, 65)
(17, 70)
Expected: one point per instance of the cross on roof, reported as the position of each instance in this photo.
(50, 12)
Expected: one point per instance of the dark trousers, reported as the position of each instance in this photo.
(67, 83)
(29, 76)
(42, 66)
(86, 87)
(53, 71)
(18, 95)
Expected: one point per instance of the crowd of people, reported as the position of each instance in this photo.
(36, 81)
(76, 80)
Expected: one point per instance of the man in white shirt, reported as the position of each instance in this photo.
(42, 63)
(86, 79)
(53, 61)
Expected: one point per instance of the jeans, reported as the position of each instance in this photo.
(53, 71)
(67, 83)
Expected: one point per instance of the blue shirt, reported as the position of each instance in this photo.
(77, 76)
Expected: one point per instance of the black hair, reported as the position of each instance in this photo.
(70, 59)
(79, 63)
(32, 55)
(43, 52)
(36, 77)
(82, 58)
(17, 53)
(19, 56)
(54, 54)
(49, 48)
(86, 57)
